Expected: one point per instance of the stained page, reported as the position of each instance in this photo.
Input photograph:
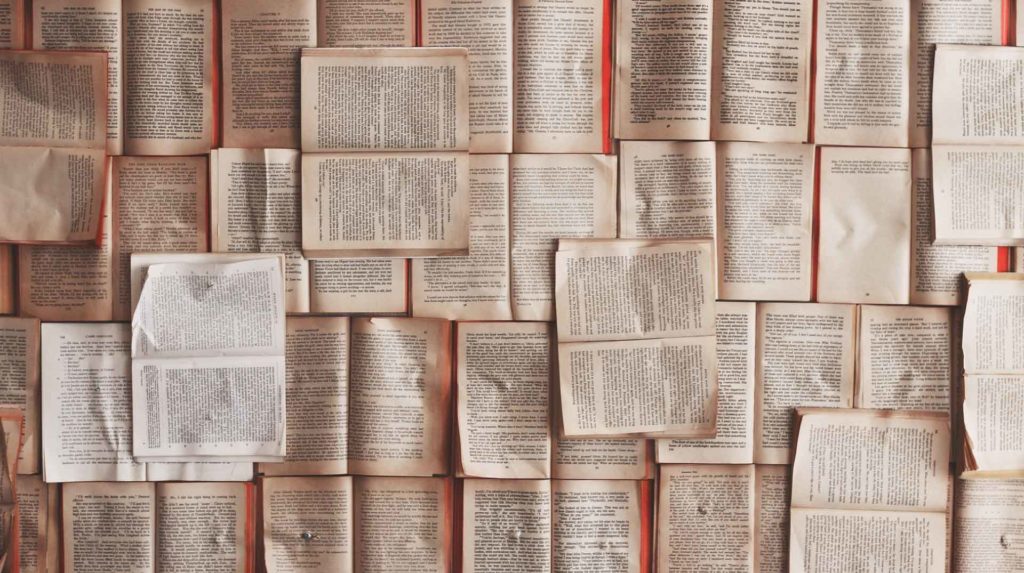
(307, 524)
(369, 23)
(989, 516)
(12, 24)
(33, 523)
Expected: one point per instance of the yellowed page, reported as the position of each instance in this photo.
(865, 211)
(169, 77)
(385, 99)
(554, 197)
(361, 286)
(663, 69)
(255, 202)
(943, 22)
(399, 396)
(503, 416)
(979, 194)
(735, 330)
(12, 24)
(19, 372)
(600, 458)
(558, 54)
(980, 102)
(805, 357)
(506, 526)
(993, 426)
(402, 524)
(33, 523)
(109, 527)
(485, 27)
(93, 25)
(190, 515)
(771, 526)
(307, 524)
(904, 358)
(760, 82)
(370, 23)
(477, 286)
(667, 190)
(261, 43)
(316, 394)
(596, 525)
(987, 523)
(159, 206)
(765, 211)
(705, 518)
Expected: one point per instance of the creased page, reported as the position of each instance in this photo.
(399, 396)
(503, 374)
(988, 526)
(307, 524)
(663, 69)
(255, 204)
(705, 518)
(979, 194)
(760, 82)
(169, 77)
(88, 25)
(367, 23)
(904, 358)
(203, 528)
(936, 270)
(386, 99)
(12, 24)
(316, 392)
(506, 526)
(805, 357)
(262, 41)
(359, 286)
(19, 383)
(477, 286)
(485, 27)
(771, 527)
(86, 403)
(554, 197)
(865, 211)
(158, 206)
(980, 101)
(561, 51)
(596, 525)
(402, 524)
(735, 330)
(33, 523)
(109, 527)
(765, 210)
(667, 190)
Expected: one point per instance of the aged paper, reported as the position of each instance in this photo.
(366, 23)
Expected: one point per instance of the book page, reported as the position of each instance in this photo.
(904, 358)
(388, 99)
(705, 518)
(562, 78)
(771, 518)
(316, 397)
(979, 194)
(667, 190)
(989, 516)
(865, 210)
(993, 317)
(255, 205)
(373, 286)
(502, 376)
(663, 69)
(597, 525)
(262, 41)
(19, 383)
(735, 330)
(307, 524)
(935, 270)
(943, 22)
(169, 114)
(862, 83)
(159, 206)
(109, 527)
(12, 24)
(88, 25)
(760, 89)
(477, 286)
(385, 204)
(399, 396)
(600, 458)
(765, 211)
(33, 523)
(980, 102)
(506, 526)
(203, 527)
(86, 403)
(805, 357)
(368, 23)
(402, 524)
(485, 27)
(993, 426)
(554, 197)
